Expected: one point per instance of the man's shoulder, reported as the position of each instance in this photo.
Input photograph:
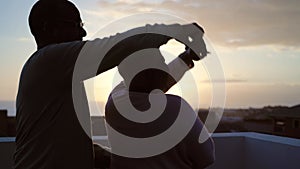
(175, 98)
(60, 55)
(53, 51)
(64, 46)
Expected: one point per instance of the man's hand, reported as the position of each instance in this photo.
(196, 41)
(188, 58)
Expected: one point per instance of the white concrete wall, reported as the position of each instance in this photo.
(255, 151)
(233, 151)
(266, 151)
(230, 151)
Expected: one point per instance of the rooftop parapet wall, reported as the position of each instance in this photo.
(233, 150)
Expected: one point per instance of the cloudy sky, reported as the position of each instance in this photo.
(256, 41)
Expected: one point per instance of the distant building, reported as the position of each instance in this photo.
(278, 120)
(259, 125)
(7, 125)
(286, 121)
(229, 122)
(257, 120)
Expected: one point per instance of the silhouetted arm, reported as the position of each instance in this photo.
(100, 55)
(130, 45)
(177, 68)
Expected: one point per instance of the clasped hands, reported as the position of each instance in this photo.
(188, 56)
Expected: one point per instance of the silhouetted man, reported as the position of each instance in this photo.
(49, 133)
(140, 90)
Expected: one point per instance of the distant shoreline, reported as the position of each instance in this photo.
(10, 107)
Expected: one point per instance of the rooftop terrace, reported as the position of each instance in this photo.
(233, 151)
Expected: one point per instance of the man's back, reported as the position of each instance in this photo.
(49, 134)
(187, 154)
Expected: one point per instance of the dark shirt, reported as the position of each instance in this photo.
(49, 134)
(186, 154)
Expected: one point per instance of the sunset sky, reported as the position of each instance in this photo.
(257, 42)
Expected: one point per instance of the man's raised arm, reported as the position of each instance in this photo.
(101, 55)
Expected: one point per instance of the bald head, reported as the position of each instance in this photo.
(55, 21)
